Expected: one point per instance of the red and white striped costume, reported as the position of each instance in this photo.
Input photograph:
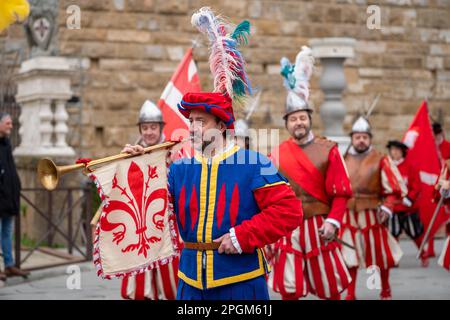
(303, 262)
(376, 182)
(156, 284)
(444, 258)
(373, 242)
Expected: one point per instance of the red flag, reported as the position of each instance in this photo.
(423, 153)
(185, 79)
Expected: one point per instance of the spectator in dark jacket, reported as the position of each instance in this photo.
(9, 197)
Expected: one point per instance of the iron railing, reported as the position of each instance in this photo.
(78, 226)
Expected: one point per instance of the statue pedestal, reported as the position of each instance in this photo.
(43, 87)
(332, 53)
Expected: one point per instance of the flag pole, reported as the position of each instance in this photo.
(427, 234)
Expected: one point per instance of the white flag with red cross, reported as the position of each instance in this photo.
(185, 79)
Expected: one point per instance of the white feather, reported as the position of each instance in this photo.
(304, 64)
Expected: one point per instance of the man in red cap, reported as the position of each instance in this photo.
(229, 202)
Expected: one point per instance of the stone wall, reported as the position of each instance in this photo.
(131, 47)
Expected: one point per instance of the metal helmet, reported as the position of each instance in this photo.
(241, 128)
(296, 80)
(361, 125)
(295, 103)
(150, 113)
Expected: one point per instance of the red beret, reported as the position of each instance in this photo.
(214, 103)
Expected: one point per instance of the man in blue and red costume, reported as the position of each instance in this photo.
(229, 202)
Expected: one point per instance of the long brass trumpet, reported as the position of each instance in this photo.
(49, 173)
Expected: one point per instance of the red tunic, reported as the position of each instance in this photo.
(329, 185)
(279, 215)
(393, 187)
(411, 178)
(444, 150)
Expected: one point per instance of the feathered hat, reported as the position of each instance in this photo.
(231, 83)
(296, 80)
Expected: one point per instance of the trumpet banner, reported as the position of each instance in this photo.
(136, 230)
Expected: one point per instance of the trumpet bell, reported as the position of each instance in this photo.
(48, 173)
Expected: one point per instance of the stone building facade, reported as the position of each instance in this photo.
(126, 51)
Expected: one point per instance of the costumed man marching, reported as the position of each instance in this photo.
(444, 154)
(309, 260)
(229, 202)
(444, 184)
(406, 216)
(377, 185)
(159, 283)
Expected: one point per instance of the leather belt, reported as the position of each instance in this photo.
(202, 246)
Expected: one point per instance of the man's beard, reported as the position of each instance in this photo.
(204, 143)
(361, 148)
(299, 136)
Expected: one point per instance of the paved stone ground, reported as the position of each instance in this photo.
(409, 281)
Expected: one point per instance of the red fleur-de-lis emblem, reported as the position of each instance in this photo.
(135, 202)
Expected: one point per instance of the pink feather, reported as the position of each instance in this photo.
(226, 64)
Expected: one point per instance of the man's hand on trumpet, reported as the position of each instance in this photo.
(134, 150)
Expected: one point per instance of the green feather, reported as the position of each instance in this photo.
(241, 33)
(239, 88)
(287, 73)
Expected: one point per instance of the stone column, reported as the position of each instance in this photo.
(332, 53)
(61, 128)
(43, 87)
